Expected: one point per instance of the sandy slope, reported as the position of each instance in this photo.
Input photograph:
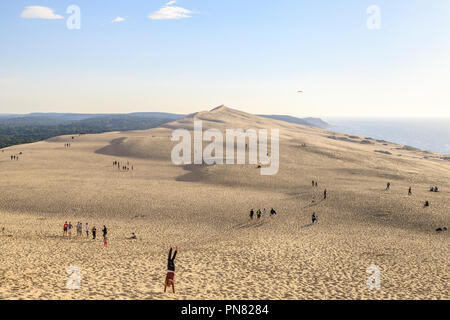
(204, 210)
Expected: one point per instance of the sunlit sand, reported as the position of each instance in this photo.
(205, 211)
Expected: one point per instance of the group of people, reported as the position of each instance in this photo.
(68, 231)
(315, 185)
(14, 157)
(67, 145)
(123, 167)
(427, 203)
(260, 213)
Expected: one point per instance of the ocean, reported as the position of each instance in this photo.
(425, 134)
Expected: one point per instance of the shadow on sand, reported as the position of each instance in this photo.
(249, 225)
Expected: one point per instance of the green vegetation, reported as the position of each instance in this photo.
(28, 129)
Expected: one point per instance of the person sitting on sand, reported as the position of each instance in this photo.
(431, 189)
(427, 203)
(170, 276)
(314, 218)
(436, 189)
(252, 213)
(133, 236)
(388, 186)
(272, 212)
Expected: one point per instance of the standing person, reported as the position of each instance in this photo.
(70, 229)
(105, 238)
(325, 194)
(87, 230)
(264, 213)
(258, 213)
(65, 228)
(314, 218)
(313, 183)
(94, 232)
(252, 213)
(170, 276)
(388, 186)
(409, 191)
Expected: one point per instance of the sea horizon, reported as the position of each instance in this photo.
(429, 134)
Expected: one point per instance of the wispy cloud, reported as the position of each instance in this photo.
(38, 12)
(118, 19)
(169, 11)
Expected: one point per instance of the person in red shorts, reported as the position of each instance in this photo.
(65, 228)
(170, 277)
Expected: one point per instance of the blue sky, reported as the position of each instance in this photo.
(252, 55)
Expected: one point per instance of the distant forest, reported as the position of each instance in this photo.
(16, 130)
(33, 127)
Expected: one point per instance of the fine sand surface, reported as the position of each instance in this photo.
(205, 211)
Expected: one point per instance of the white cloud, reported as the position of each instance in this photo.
(118, 19)
(38, 12)
(168, 11)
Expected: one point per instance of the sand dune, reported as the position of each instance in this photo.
(204, 210)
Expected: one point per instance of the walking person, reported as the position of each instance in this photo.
(70, 229)
(94, 232)
(87, 230)
(252, 213)
(325, 194)
(258, 213)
